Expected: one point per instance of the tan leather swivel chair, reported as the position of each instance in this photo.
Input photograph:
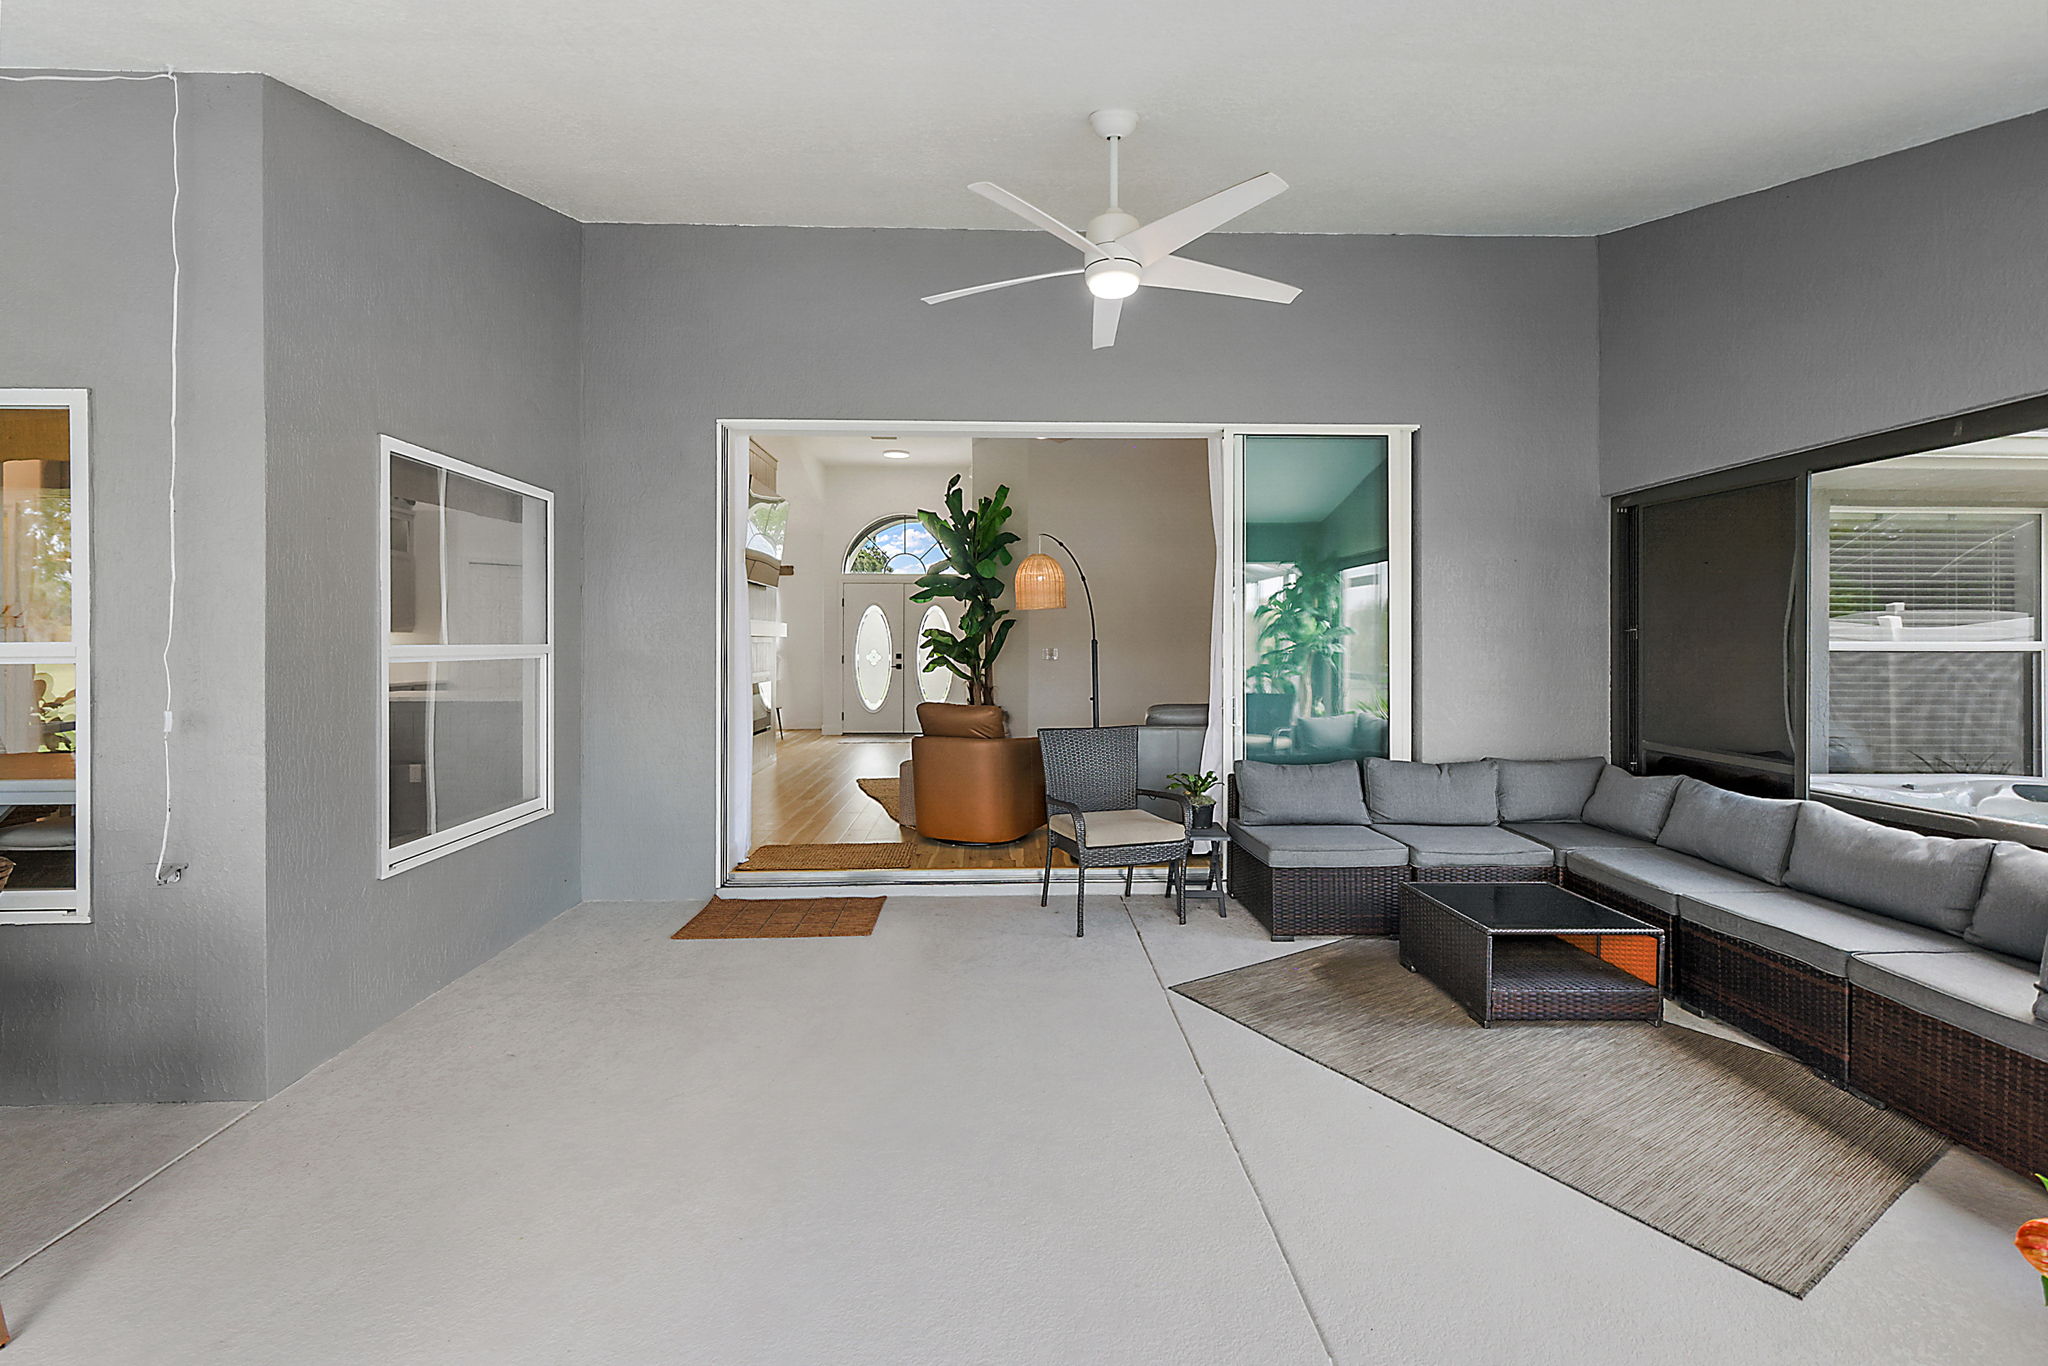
(970, 782)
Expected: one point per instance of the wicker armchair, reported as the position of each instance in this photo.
(1092, 813)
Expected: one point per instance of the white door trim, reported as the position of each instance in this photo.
(734, 667)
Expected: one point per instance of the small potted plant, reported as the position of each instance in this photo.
(1199, 789)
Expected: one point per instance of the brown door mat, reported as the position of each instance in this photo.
(793, 918)
(800, 858)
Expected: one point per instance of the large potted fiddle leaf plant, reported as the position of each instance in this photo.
(976, 548)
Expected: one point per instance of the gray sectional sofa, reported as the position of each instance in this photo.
(1907, 967)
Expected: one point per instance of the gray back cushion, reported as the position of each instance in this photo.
(1300, 794)
(2012, 914)
(1546, 789)
(1923, 879)
(1752, 835)
(1404, 793)
(1633, 806)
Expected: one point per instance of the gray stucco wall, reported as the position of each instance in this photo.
(1489, 344)
(404, 297)
(1883, 294)
(161, 997)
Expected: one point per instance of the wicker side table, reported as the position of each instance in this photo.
(1213, 843)
(1531, 951)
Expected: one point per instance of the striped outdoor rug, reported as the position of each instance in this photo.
(1742, 1154)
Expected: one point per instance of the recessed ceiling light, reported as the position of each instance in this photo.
(895, 455)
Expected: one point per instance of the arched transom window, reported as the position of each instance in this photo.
(894, 545)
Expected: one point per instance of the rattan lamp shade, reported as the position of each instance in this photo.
(1040, 582)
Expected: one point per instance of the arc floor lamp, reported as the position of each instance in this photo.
(1041, 583)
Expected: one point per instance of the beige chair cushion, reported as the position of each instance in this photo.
(1110, 828)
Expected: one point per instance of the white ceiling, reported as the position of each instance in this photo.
(1418, 116)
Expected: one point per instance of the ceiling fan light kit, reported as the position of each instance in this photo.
(1120, 254)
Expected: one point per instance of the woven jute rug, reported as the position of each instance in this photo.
(804, 858)
(887, 793)
(803, 918)
(1742, 1154)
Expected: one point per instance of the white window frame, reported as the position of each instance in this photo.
(392, 860)
(2037, 647)
(65, 905)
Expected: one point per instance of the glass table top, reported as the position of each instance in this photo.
(1528, 908)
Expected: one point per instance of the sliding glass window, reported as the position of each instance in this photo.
(44, 716)
(468, 668)
(1931, 683)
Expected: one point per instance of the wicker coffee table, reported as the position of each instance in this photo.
(1530, 951)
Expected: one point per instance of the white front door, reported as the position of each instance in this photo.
(882, 656)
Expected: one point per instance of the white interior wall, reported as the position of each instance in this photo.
(830, 504)
(1137, 515)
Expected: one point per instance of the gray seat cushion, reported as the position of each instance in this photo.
(1563, 836)
(1989, 994)
(1300, 794)
(1546, 789)
(1928, 880)
(1820, 933)
(1657, 877)
(1404, 793)
(1629, 805)
(1318, 846)
(1752, 835)
(2011, 915)
(1468, 846)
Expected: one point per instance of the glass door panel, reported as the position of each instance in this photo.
(1318, 598)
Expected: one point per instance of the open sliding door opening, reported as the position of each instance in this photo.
(1194, 592)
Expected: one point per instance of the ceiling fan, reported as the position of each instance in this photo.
(1120, 254)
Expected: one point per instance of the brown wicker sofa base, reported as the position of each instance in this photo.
(1979, 1093)
(1485, 873)
(1641, 910)
(1620, 901)
(1788, 1004)
(1296, 901)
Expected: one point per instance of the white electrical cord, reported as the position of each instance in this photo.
(163, 848)
(177, 295)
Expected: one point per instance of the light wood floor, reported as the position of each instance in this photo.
(804, 793)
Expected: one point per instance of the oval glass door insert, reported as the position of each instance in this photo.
(873, 649)
(932, 686)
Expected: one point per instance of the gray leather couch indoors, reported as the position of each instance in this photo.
(1170, 742)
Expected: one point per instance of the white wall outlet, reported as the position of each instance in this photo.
(1052, 652)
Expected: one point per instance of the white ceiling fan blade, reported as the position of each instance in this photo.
(1156, 239)
(999, 284)
(1031, 213)
(1107, 311)
(1177, 272)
